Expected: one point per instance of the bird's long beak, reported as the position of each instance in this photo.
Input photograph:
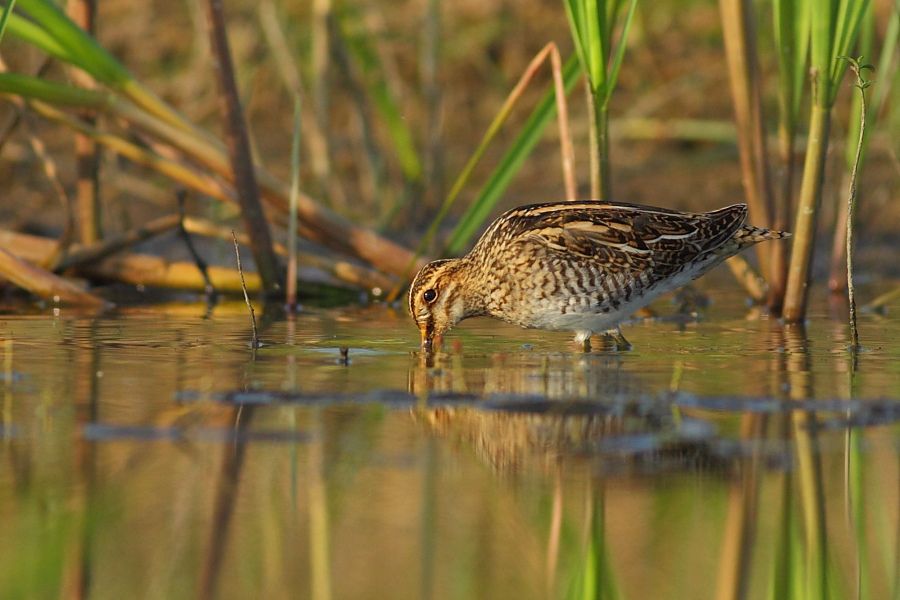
(429, 340)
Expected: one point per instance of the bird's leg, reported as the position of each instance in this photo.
(583, 339)
(619, 339)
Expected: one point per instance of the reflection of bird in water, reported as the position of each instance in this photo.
(577, 266)
(554, 376)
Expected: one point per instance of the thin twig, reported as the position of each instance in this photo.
(860, 84)
(208, 287)
(254, 341)
(292, 213)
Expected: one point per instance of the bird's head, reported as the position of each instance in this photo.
(437, 300)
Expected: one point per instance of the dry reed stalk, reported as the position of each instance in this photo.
(316, 222)
(566, 149)
(44, 284)
(241, 158)
(87, 188)
(739, 33)
(177, 171)
(134, 269)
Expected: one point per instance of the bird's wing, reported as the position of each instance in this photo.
(624, 238)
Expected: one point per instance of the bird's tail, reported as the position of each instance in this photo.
(749, 235)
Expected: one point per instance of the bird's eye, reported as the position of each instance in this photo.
(429, 296)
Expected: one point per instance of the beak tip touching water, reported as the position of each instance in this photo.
(429, 340)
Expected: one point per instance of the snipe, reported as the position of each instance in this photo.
(578, 266)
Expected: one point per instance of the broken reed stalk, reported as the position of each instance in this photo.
(254, 340)
(291, 295)
(861, 85)
(87, 187)
(241, 159)
(45, 284)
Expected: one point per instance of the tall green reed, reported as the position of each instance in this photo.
(834, 26)
(593, 24)
(510, 163)
(886, 66)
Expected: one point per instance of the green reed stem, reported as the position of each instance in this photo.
(807, 210)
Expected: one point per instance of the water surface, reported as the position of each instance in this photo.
(149, 453)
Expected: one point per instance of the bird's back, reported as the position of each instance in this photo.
(551, 265)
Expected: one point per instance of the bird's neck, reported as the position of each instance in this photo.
(469, 287)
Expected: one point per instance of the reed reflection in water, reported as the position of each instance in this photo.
(151, 453)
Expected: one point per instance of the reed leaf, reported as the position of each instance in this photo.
(834, 25)
(593, 24)
(481, 208)
(55, 33)
(33, 34)
(4, 18)
(81, 49)
(791, 24)
(361, 50)
(59, 94)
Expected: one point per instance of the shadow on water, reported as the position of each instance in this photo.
(721, 458)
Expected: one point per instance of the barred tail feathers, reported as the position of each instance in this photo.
(749, 235)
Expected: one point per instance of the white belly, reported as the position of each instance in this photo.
(582, 319)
